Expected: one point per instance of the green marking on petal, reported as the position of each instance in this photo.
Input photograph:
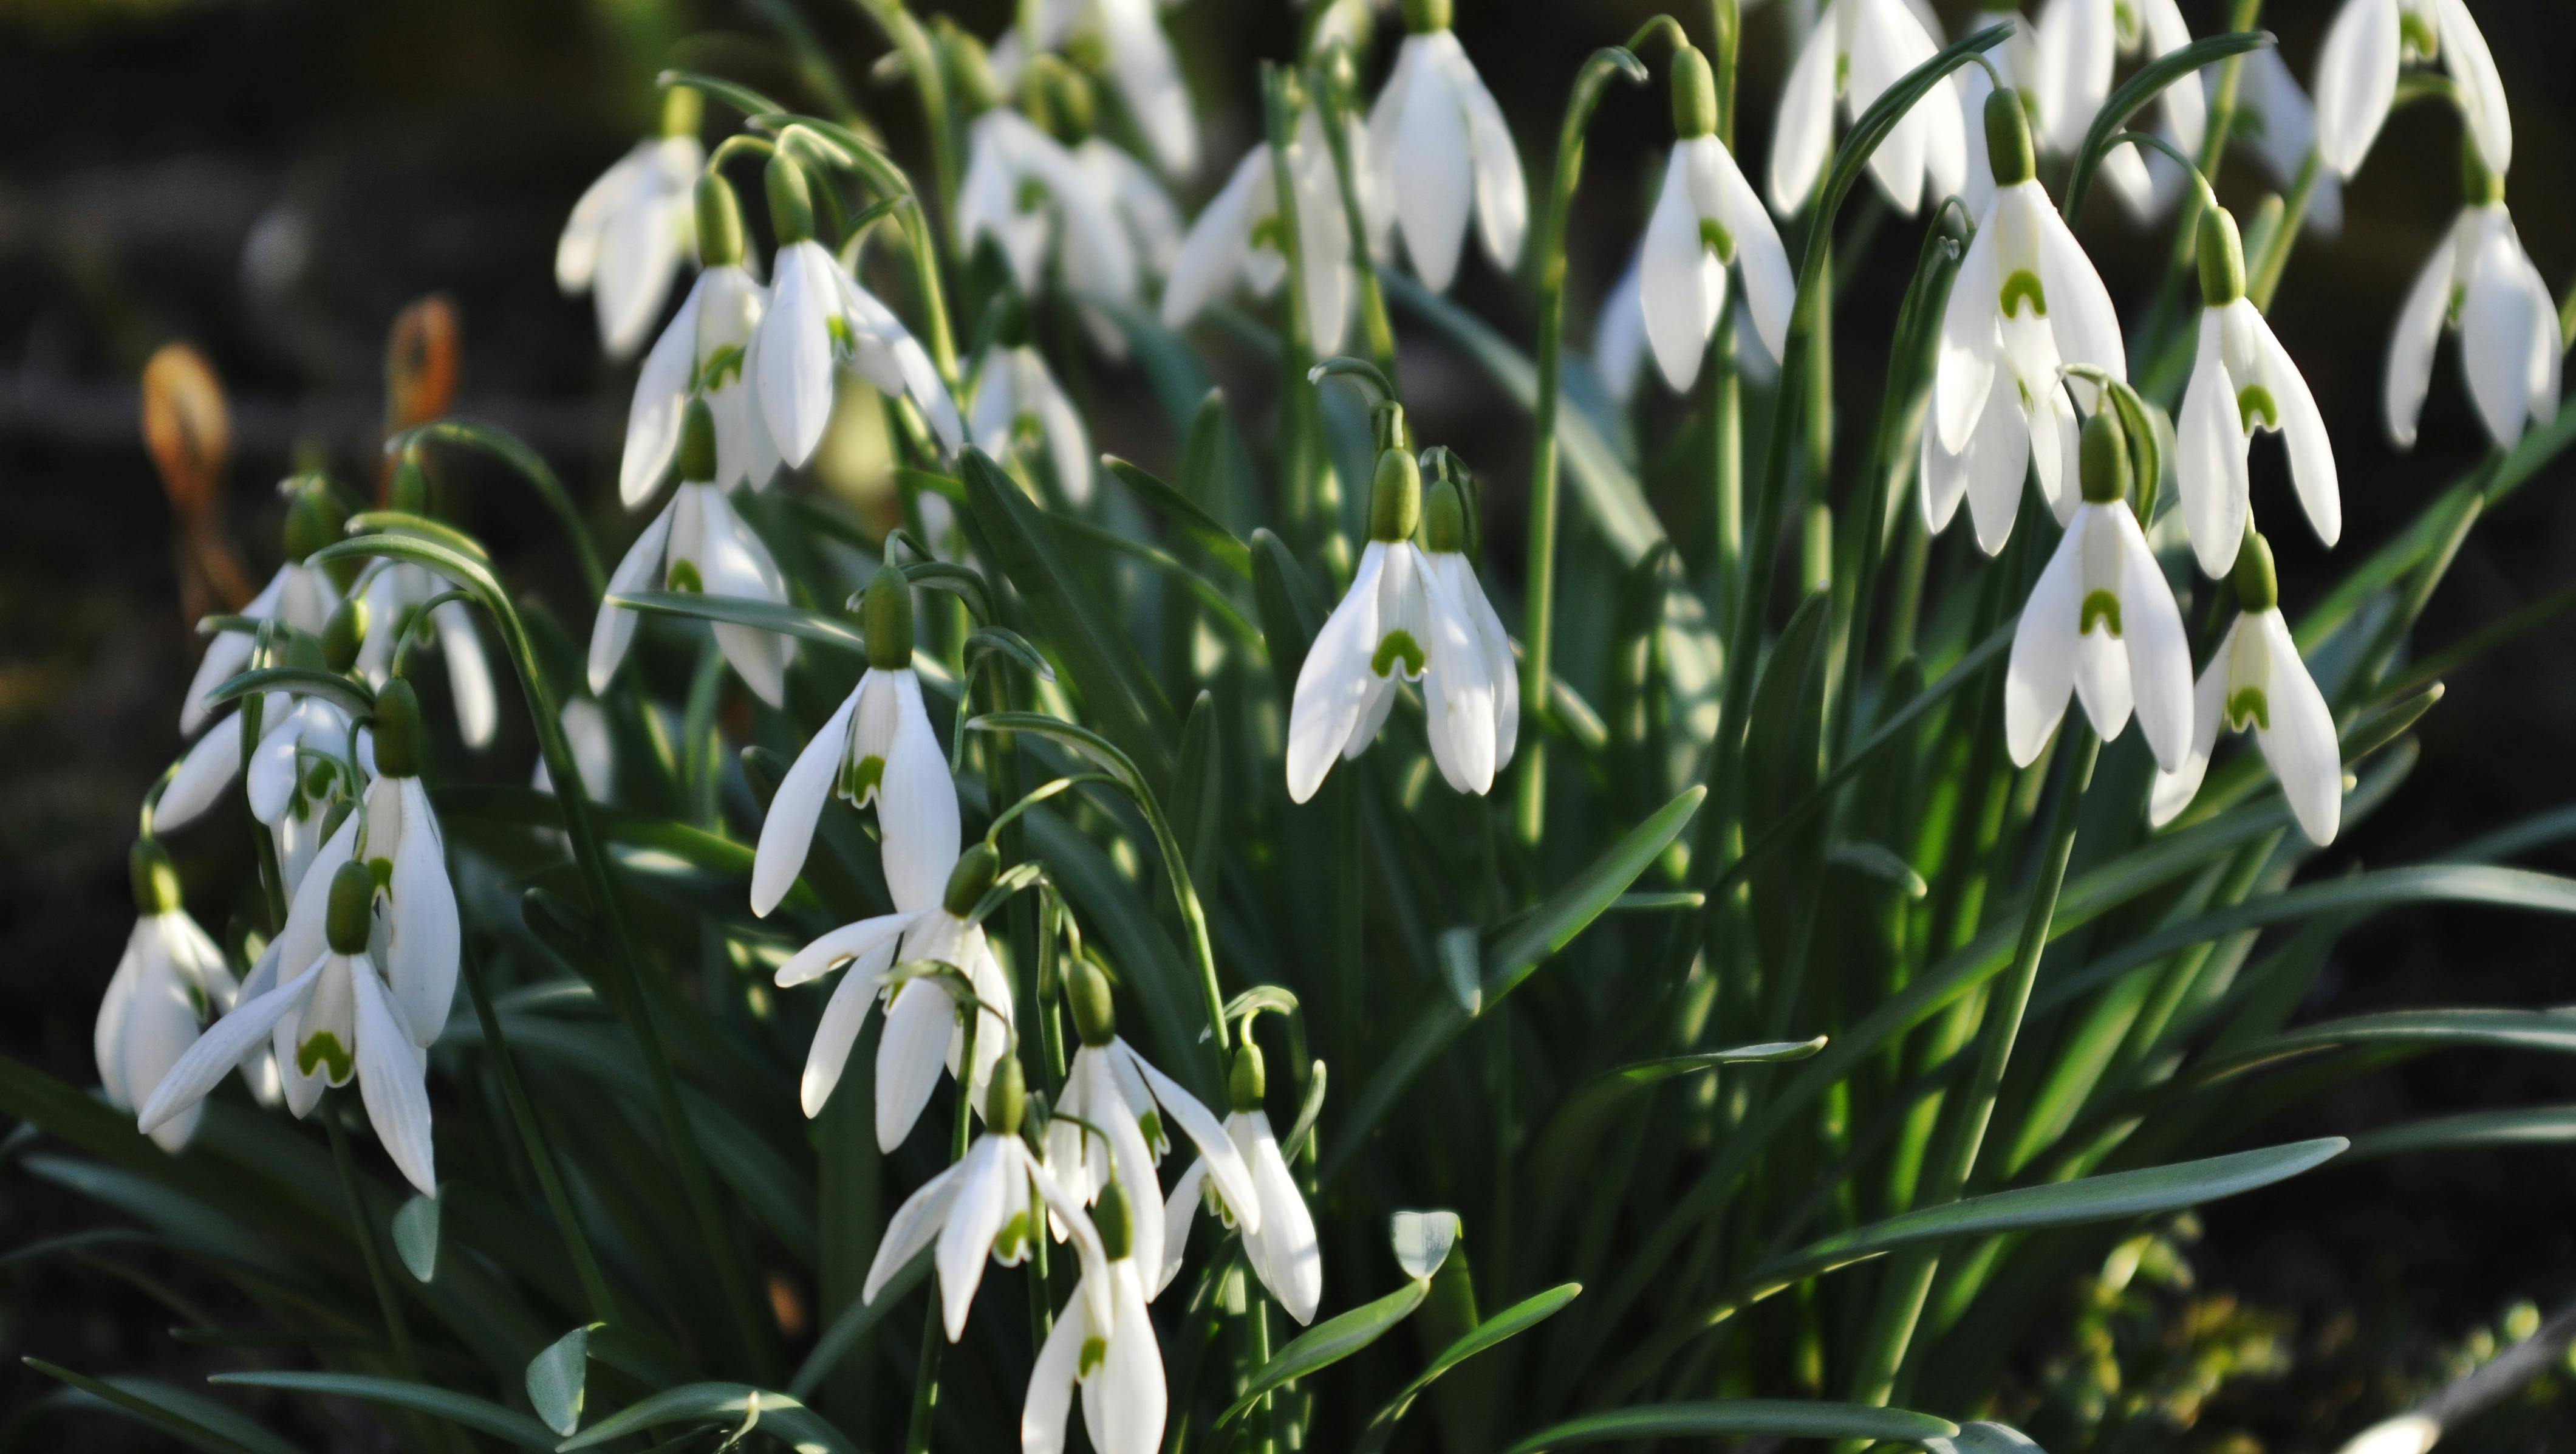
(718, 369)
(1013, 1236)
(844, 342)
(2248, 705)
(862, 777)
(1842, 73)
(1717, 239)
(2102, 606)
(1152, 1125)
(196, 999)
(1398, 645)
(684, 577)
(1095, 1351)
(2416, 38)
(382, 870)
(2024, 284)
(1267, 233)
(2451, 310)
(2255, 401)
(1031, 196)
(324, 1049)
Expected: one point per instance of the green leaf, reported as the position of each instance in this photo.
(814, 626)
(530, 466)
(420, 527)
(1185, 515)
(1983, 1438)
(416, 1236)
(2136, 92)
(1198, 791)
(1578, 1118)
(1781, 1418)
(725, 1403)
(1510, 1323)
(351, 697)
(2473, 1130)
(481, 1415)
(2542, 1030)
(1290, 614)
(183, 1416)
(556, 1378)
(854, 1323)
(740, 97)
(1328, 1343)
(1210, 595)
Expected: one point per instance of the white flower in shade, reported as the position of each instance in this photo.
(1706, 219)
(1136, 197)
(2243, 380)
(1038, 204)
(630, 233)
(1103, 1343)
(703, 354)
(877, 749)
(594, 751)
(1619, 346)
(1403, 620)
(2275, 126)
(1020, 413)
(2481, 282)
(2357, 76)
(2102, 622)
(171, 979)
(300, 771)
(339, 1017)
(2026, 304)
(1858, 49)
(2151, 35)
(2256, 680)
(1438, 149)
(1236, 239)
(1278, 1231)
(820, 321)
(983, 1205)
(393, 594)
(699, 544)
(1141, 64)
(1108, 1123)
(299, 595)
(924, 1028)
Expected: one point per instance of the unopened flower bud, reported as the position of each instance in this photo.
(1095, 1016)
(1006, 1100)
(695, 462)
(719, 223)
(681, 108)
(2258, 585)
(353, 899)
(155, 878)
(1061, 101)
(972, 87)
(1421, 17)
(343, 633)
(791, 200)
(1115, 1220)
(885, 620)
(1247, 1084)
(408, 488)
(186, 426)
(1444, 519)
(2008, 149)
(398, 730)
(2105, 459)
(2222, 258)
(1694, 93)
(1395, 500)
(314, 516)
(968, 881)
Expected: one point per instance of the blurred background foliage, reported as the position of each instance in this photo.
(273, 180)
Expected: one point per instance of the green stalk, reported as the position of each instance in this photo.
(2294, 212)
(1538, 623)
(937, 115)
(1335, 101)
(2241, 15)
(1726, 463)
(1299, 449)
(397, 1328)
(925, 1386)
(540, 1154)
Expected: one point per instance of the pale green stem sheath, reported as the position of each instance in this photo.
(2276, 258)
(1335, 100)
(1539, 609)
(1726, 464)
(925, 1383)
(2241, 16)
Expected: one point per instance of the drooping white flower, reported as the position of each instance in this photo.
(1439, 148)
(1103, 1343)
(2016, 63)
(300, 772)
(1857, 50)
(1706, 219)
(1404, 620)
(984, 1205)
(2148, 30)
(299, 595)
(594, 751)
(2102, 622)
(1235, 239)
(1278, 1231)
(2256, 680)
(819, 321)
(2357, 76)
(703, 353)
(171, 979)
(2481, 282)
(2243, 380)
(699, 544)
(877, 749)
(923, 1028)
(2274, 125)
(1619, 345)
(1054, 225)
(393, 593)
(1136, 197)
(1020, 412)
(630, 232)
(1141, 64)
(2026, 304)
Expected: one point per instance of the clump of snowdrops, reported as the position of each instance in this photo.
(1091, 947)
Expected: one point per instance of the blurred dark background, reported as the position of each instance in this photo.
(273, 181)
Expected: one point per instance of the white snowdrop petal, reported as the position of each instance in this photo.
(2303, 430)
(1218, 1157)
(2498, 322)
(1965, 355)
(1805, 130)
(1502, 196)
(2209, 463)
(2418, 331)
(845, 1014)
(1334, 682)
(222, 1047)
(1681, 284)
(204, 772)
(913, 1226)
(389, 1081)
(1283, 1251)
(1180, 1213)
(2482, 101)
(2041, 670)
(1996, 464)
(787, 833)
(422, 959)
(1433, 193)
(1770, 286)
(2174, 790)
(2356, 81)
(966, 1241)
(613, 629)
(2301, 744)
(1049, 1405)
(661, 395)
(2159, 665)
(916, 806)
(1211, 253)
(914, 1046)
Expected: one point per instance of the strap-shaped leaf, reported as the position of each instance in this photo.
(855, 1323)
(350, 696)
(1208, 592)
(1510, 1323)
(724, 1403)
(1184, 514)
(528, 465)
(183, 1416)
(1328, 1343)
(804, 625)
(1780, 1418)
(481, 1415)
(2136, 92)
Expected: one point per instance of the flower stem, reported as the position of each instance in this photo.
(925, 1385)
(1298, 452)
(397, 1329)
(1373, 319)
(2276, 258)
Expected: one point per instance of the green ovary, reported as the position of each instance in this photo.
(2248, 705)
(2102, 606)
(1398, 645)
(2024, 284)
(324, 1049)
(2253, 402)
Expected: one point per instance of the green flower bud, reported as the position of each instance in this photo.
(1006, 1100)
(719, 223)
(1061, 101)
(305, 652)
(2258, 585)
(1095, 1016)
(1694, 94)
(1395, 500)
(314, 516)
(885, 619)
(408, 491)
(353, 899)
(342, 634)
(155, 878)
(2222, 258)
(1444, 519)
(973, 875)
(1421, 17)
(2008, 149)
(398, 730)
(681, 106)
(695, 463)
(1247, 1084)
(791, 200)
(1115, 1220)
(972, 87)
(2105, 459)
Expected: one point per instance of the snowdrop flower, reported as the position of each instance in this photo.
(2481, 282)
(2015, 63)
(2242, 380)
(2101, 621)
(1104, 1344)
(1858, 49)
(1619, 345)
(818, 321)
(983, 1206)
(594, 751)
(2357, 76)
(1706, 219)
(1020, 412)
(701, 354)
(877, 749)
(1236, 239)
(1278, 1231)
(629, 233)
(1136, 197)
(299, 595)
(1140, 63)
(335, 1019)
(2275, 126)
(1037, 203)
(2026, 303)
(2256, 680)
(1438, 146)
(699, 544)
(171, 978)
(1108, 1122)
(2146, 30)
(392, 596)
(922, 1016)
(299, 774)
(1403, 620)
